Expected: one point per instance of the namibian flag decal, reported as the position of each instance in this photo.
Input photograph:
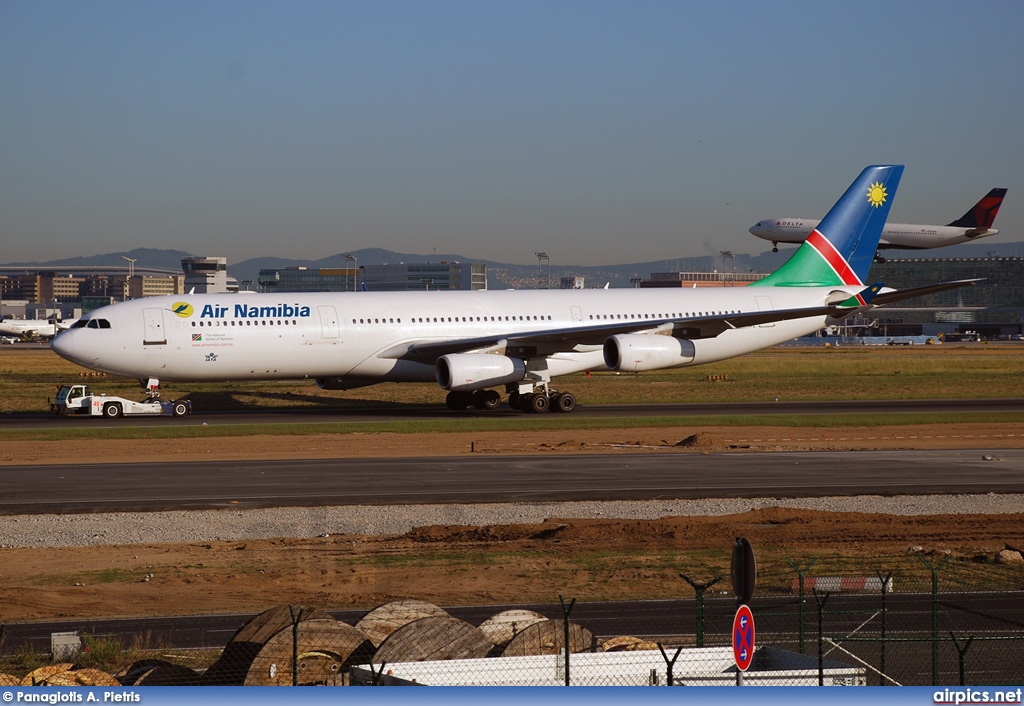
(197, 337)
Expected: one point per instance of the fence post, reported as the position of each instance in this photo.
(669, 664)
(885, 584)
(699, 589)
(565, 614)
(935, 614)
(802, 573)
(377, 675)
(821, 635)
(962, 653)
(295, 644)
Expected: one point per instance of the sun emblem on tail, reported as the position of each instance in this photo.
(876, 194)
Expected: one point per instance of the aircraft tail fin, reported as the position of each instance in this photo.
(840, 250)
(982, 214)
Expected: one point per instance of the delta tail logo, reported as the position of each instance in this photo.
(182, 309)
(877, 194)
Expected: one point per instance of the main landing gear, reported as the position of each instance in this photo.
(541, 400)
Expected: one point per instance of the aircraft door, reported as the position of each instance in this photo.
(577, 315)
(155, 335)
(328, 322)
(764, 304)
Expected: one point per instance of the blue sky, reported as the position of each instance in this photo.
(598, 132)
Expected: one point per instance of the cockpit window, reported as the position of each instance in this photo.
(97, 323)
(81, 323)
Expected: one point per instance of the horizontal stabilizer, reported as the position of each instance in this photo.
(904, 294)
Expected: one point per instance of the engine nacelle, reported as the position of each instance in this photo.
(460, 372)
(635, 352)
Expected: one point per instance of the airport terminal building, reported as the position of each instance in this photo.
(401, 277)
(994, 307)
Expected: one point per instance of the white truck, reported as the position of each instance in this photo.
(79, 400)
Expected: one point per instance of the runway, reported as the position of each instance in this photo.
(374, 412)
(150, 486)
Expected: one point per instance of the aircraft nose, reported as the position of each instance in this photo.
(63, 345)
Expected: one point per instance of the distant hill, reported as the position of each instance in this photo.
(504, 275)
(149, 257)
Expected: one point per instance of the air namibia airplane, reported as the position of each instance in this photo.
(471, 342)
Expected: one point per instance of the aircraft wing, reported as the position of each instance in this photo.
(550, 341)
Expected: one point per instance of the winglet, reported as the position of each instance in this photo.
(841, 249)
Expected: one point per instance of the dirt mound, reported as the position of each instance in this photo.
(701, 440)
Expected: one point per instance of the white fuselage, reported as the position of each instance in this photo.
(895, 235)
(361, 336)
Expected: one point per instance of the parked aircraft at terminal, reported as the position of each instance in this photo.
(976, 223)
(471, 342)
(34, 328)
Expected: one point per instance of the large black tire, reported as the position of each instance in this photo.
(458, 400)
(179, 408)
(486, 399)
(564, 402)
(112, 410)
(513, 400)
(537, 403)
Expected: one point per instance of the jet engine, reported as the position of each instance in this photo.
(635, 352)
(474, 371)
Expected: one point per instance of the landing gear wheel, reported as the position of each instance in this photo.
(180, 409)
(458, 400)
(564, 402)
(536, 403)
(513, 400)
(112, 410)
(486, 399)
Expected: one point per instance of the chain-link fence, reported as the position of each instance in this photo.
(924, 621)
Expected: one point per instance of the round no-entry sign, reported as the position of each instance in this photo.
(743, 638)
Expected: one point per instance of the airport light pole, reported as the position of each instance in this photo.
(542, 257)
(131, 272)
(349, 257)
(730, 281)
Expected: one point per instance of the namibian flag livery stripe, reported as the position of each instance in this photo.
(835, 260)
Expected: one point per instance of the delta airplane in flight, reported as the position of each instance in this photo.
(976, 223)
(34, 328)
(471, 342)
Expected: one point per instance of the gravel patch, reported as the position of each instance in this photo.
(186, 526)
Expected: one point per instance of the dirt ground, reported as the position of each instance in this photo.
(589, 559)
